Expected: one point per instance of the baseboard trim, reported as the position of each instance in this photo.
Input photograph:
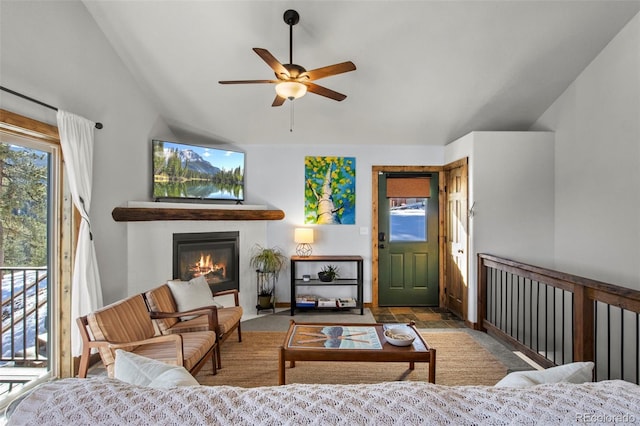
(472, 325)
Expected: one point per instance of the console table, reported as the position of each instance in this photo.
(357, 281)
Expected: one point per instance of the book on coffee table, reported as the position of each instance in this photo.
(335, 337)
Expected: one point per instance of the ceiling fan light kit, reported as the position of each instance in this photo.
(291, 90)
(294, 81)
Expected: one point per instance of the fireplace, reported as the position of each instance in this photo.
(215, 255)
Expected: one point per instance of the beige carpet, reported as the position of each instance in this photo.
(254, 362)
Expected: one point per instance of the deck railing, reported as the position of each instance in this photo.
(23, 342)
(556, 318)
(24, 317)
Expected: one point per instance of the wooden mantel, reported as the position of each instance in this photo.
(164, 212)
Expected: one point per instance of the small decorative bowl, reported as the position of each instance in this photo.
(399, 336)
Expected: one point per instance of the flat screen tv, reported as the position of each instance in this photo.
(193, 172)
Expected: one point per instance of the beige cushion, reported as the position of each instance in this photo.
(199, 323)
(195, 346)
(139, 370)
(191, 294)
(228, 318)
(576, 372)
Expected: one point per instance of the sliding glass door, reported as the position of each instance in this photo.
(29, 190)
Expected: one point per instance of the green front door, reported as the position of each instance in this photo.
(408, 239)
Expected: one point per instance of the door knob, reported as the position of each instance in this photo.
(460, 251)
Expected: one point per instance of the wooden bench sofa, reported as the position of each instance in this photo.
(165, 314)
(127, 325)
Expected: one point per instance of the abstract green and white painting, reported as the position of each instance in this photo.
(330, 190)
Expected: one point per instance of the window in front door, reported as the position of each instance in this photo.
(408, 219)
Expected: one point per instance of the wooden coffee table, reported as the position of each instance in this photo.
(350, 342)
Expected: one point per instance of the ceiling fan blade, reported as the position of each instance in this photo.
(271, 61)
(248, 81)
(323, 91)
(330, 70)
(278, 101)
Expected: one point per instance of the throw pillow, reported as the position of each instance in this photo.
(576, 372)
(192, 294)
(139, 370)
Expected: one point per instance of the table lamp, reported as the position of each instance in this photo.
(304, 238)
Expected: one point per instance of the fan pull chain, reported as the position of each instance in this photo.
(291, 119)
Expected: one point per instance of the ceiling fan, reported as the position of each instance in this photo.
(292, 80)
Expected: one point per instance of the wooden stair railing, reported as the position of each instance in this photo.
(555, 318)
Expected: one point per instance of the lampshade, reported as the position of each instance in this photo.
(291, 90)
(304, 238)
(303, 235)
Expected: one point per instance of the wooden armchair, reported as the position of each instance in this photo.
(126, 325)
(163, 309)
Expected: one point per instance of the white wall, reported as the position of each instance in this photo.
(275, 175)
(513, 195)
(54, 52)
(511, 178)
(275, 178)
(597, 154)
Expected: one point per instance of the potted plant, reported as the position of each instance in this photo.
(268, 263)
(328, 273)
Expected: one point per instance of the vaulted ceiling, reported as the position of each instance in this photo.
(427, 72)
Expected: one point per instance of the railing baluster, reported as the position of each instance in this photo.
(637, 336)
(622, 344)
(13, 316)
(37, 314)
(25, 289)
(530, 313)
(608, 341)
(553, 326)
(505, 301)
(494, 308)
(562, 319)
(595, 342)
(518, 311)
(546, 321)
(505, 304)
(501, 301)
(498, 299)
(491, 299)
(511, 303)
(538, 316)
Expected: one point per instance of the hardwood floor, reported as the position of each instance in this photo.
(424, 317)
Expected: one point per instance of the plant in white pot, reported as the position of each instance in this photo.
(268, 262)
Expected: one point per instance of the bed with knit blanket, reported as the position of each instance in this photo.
(104, 401)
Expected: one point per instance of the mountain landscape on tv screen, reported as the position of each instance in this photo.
(189, 171)
(191, 160)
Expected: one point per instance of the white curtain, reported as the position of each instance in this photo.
(76, 138)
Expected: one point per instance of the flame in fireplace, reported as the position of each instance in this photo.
(207, 267)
